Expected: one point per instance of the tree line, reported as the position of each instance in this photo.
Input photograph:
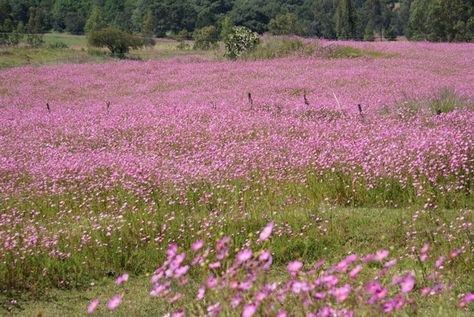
(433, 20)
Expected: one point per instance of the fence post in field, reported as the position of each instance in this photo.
(250, 100)
(48, 107)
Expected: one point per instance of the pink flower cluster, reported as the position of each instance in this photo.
(243, 283)
(182, 121)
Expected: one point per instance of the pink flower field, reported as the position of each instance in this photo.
(228, 177)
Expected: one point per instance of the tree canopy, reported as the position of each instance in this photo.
(433, 20)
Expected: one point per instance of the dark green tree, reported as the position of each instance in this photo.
(226, 28)
(118, 42)
(205, 38)
(285, 24)
(95, 21)
(149, 23)
(345, 20)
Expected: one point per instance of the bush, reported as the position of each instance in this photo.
(276, 47)
(35, 40)
(241, 40)
(181, 39)
(390, 34)
(369, 33)
(10, 38)
(118, 42)
(205, 38)
(226, 28)
(58, 44)
(285, 24)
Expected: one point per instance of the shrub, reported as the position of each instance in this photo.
(390, 34)
(58, 44)
(280, 47)
(285, 24)
(205, 38)
(241, 40)
(181, 39)
(369, 33)
(118, 42)
(34, 40)
(226, 28)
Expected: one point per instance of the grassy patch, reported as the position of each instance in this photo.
(445, 101)
(72, 41)
(329, 233)
(13, 57)
(279, 47)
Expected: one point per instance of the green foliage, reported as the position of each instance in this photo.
(226, 28)
(321, 17)
(390, 34)
(285, 24)
(447, 100)
(444, 101)
(435, 20)
(58, 45)
(369, 32)
(441, 20)
(95, 20)
(205, 38)
(279, 47)
(118, 42)
(345, 20)
(181, 38)
(240, 41)
(148, 26)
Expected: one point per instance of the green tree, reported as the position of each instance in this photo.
(181, 38)
(416, 28)
(34, 37)
(369, 32)
(118, 42)
(95, 20)
(226, 28)
(345, 20)
(285, 24)
(148, 26)
(205, 38)
(390, 34)
(322, 19)
(240, 41)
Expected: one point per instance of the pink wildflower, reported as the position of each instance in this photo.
(92, 306)
(266, 232)
(179, 313)
(197, 245)
(249, 310)
(295, 266)
(380, 255)
(355, 271)
(440, 262)
(469, 297)
(121, 279)
(407, 284)
(114, 302)
(341, 293)
(244, 255)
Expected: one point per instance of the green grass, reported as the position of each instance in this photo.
(77, 51)
(314, 230)
(14, 57)
(349, 230)
(445, 100)
(72, 41)
(279, 47)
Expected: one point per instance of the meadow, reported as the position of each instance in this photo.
(316, 185)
